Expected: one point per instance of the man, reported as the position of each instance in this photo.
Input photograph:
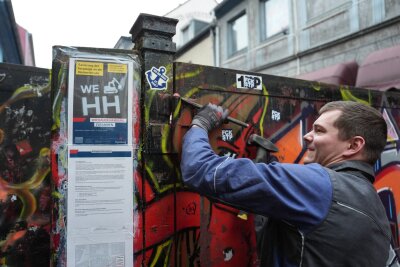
(324, 213)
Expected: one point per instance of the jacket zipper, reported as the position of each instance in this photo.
(302, 243)
(302, 249)
(363, 213)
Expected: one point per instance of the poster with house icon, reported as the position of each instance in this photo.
(98, 94)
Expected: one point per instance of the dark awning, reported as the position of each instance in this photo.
(380, 70)
(342, 73)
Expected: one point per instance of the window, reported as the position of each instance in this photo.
(237, 34)
(275, 17)
(185, 34)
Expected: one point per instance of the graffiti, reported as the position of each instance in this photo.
(217, 235)
(25, 188)
(387, 173)
(228, 254)
(191, 208)
(173, 226)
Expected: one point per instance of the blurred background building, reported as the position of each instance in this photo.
(351, 42)
(193, 36)
(16, 44)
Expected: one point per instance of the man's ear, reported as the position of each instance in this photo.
(355, 146)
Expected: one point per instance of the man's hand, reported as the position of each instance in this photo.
(210, 116)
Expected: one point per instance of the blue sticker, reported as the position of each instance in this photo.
(157, 78)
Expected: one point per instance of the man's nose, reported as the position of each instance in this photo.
(308, 137)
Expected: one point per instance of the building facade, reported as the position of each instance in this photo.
(16, 46)
(293, 37)
(194, 35)
(193, 16)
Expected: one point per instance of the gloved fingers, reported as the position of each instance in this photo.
(208, 106)
(210, 116)
(212, 106)
(225, 114)
(222, 113)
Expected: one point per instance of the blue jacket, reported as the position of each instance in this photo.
(316, 216)
(299, 194)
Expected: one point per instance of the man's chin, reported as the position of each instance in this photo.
(307, 161)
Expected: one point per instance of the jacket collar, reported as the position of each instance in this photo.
(358, 168)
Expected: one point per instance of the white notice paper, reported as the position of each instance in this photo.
(100, 206)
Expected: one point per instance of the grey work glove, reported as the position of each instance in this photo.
(210, 117)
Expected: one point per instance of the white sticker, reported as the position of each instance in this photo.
(157, 78)
(227, 135)
(275, 115)
(245, 81)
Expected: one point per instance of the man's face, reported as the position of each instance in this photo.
(323, 143)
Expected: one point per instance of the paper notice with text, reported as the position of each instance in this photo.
(100, 206)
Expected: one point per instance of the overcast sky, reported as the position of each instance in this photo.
(89, 23)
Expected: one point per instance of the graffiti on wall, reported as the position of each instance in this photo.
(182, 228)
(25, 188)
(173, 225)
(388, 171)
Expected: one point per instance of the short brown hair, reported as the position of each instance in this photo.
(362, 120)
